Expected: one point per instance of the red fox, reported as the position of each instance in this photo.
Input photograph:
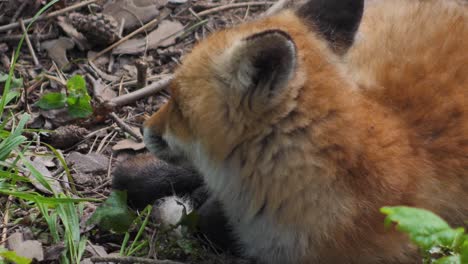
(304, 123)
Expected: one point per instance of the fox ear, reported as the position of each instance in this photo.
(336, 20)
(258, 67)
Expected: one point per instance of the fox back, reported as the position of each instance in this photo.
(305, 123)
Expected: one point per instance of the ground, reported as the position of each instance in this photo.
(76, 135)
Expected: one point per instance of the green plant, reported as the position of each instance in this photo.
(59, 209)
(11, 256)
(15, 84)
(11, 79)
(77, 99)
(430, 233)
(113, 214)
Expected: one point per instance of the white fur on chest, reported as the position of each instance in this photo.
(260, 236)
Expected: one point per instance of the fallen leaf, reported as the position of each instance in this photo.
(57, 51)
(89, 163)
(128, 144)
(31, 249)
(40, 167)
(134, 12)
(48, 161)
(53, 252)
(86, 261)
(102, 90)
(95, 250)
(57, 117)
(165, 35)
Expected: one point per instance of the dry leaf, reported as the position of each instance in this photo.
(57, 117)
(48, 161)
(134, 12)
(95, 250)
(57, 51)
(41, 167)
(90, 163)
(102, 90)
(53, 252)
(163, 36)
(31, 249)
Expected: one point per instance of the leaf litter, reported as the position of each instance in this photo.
(77, 116)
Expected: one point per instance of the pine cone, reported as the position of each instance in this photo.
(99, 29)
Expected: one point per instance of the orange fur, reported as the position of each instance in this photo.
(387, 124)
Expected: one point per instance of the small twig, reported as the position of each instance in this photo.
(120, 123)
(281, 4)
(35, 37)
(142, 70)
(132, 83)
(131, 260)
(109, 168)
(131, 35)
(6, 219)
(103, 141)
(108, 142)
(18, 13)
(125, 127)
(140, 93)
(231, 6)
(28, 43)
(122, 27)
(47, 16)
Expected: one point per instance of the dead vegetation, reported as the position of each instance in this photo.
(126, 50)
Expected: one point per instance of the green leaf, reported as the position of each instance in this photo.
(79, 101)
(35, 197)
(455, 259)
(15, 82)
(12, 256)
(424, 228)
(14, 139)
(11, 95)
(76, 86)
(8, 82)
(464, 250)
(52, 101)
(113, 214)
(80, 107)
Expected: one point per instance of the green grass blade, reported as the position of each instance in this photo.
(8, 82)
(64, 165)
(14, 139)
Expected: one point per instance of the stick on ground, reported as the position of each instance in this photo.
(141, 93)
(131, 260)
(231, 6)
(28, 43)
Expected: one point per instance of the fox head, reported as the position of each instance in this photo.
(240, 81)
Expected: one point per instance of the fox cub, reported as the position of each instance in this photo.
(304, 123)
